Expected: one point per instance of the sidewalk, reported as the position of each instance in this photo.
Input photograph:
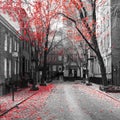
(6, 103)
(115, 96)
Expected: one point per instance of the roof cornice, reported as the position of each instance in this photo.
(9, 26)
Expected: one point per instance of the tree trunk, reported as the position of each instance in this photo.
(102, 68)
(92, 32)
(96, 47)
(100, 60)
(43, 80)
(35, 71)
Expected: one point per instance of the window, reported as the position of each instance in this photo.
(26, 66)
(109, 65)
(65, 59)
(59, 58)
(5, 68)
(54, 68)
(17, 47)
(9, 68)
(18, 67)
(27, 46)
(10, 45)
(15, 67)
(5, 42)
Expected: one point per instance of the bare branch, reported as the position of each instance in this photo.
(78, 30)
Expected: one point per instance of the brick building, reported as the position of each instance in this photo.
(56, 55)
(15, 55)
(9, 55)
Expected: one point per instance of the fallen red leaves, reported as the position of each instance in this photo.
(31, 107)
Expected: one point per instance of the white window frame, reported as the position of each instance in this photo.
(54, 68)
(6, 42)
(15, 45)
(59, 58)
(10, 70)
(5, 67)
(15, 67)
(18, 66)
(10, 45)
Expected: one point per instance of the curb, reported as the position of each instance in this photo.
(106, 94)
(17, 104)
(103, 93)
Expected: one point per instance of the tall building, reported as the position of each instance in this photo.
(115, 40)
(108, 40)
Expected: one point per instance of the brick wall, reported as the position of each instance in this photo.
(4, 28)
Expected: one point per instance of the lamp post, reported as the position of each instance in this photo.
(15, 55)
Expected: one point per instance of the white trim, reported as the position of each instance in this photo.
(5, 67)
(10, 45)
(10, 70)
(6, 42)
(9, 27)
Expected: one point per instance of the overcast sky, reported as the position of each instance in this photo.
(10, 21)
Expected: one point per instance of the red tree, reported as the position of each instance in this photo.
(83, 15)
(37, 15)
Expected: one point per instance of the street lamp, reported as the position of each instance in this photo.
(15, 55)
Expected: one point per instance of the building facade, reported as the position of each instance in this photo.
(115, 41)
(16, 54)
(56, 55)
(9, 55)
(108, 41)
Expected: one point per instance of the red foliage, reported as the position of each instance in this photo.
(40, 17)
(42, 14)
